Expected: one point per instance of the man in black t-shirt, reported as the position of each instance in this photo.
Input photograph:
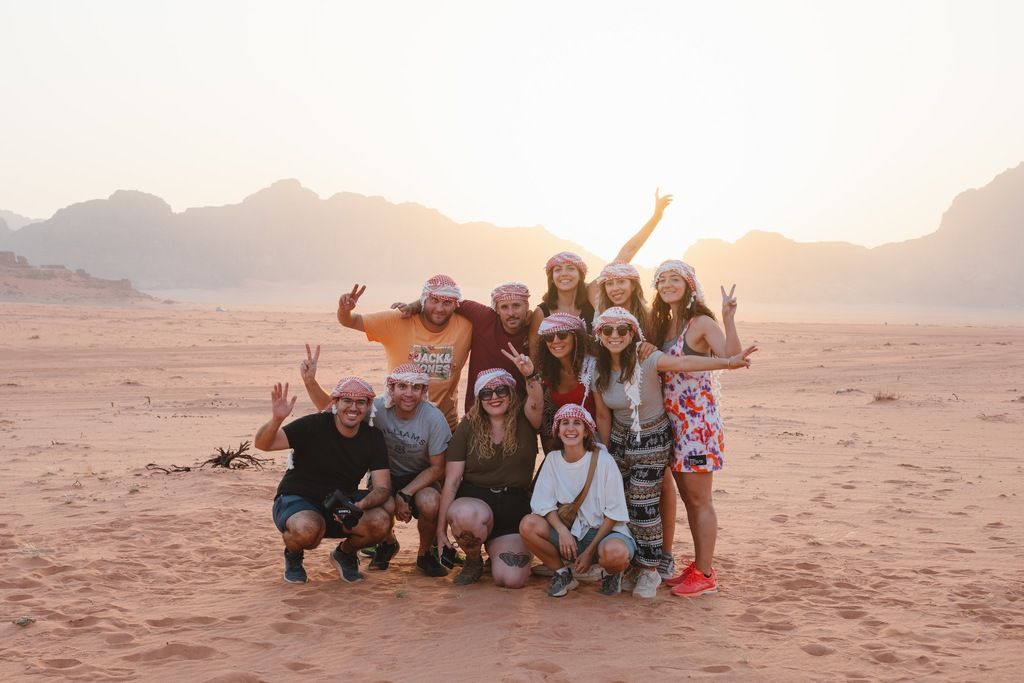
(330, 450)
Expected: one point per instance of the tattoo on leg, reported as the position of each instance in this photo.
(515, 559)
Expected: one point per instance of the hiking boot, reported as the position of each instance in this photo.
(611, 584)
(696, 584)
(471, 572)
(561, 583)
(382, 558)
(429, 565)
(667, 566)
(347, 565)
(647, 582)
(676, 580)
(293, 570)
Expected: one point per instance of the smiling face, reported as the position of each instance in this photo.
(406, 396)
(496, 405)
(438, 311)
(572, 431)
(618, 291)
(351, 411)
(558, 347)
(512, 314)
(565, 277)
(672, 287)
(616, 338)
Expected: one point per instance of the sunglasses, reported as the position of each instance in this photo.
(500, 392)
(550, 337)
(621, 330)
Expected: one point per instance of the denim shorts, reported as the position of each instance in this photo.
(287, 505)
(588, 538)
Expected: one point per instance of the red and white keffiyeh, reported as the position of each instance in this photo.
(441, 287)
(684, 270)
(560, 322)
(510, 291)
(570, 411)
(354, 388)
(618, 271)
(566, 258)
(492, 379)
(409, 373)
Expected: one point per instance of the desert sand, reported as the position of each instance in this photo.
(860, 539)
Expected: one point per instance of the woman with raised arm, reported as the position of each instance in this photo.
(568, 292)
(580, 473)
(684, 327)
(631, 420)
(490, 462)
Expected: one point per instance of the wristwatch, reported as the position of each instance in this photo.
(406, 497)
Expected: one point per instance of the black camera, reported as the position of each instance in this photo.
(446, 557)
(344, 508)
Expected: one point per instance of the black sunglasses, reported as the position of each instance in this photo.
(550, 337)
(500, 392)
(622, 330)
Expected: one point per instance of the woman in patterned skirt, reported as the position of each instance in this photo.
(683, 326)
(631, 420)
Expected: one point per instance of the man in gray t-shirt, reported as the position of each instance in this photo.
(416, 434)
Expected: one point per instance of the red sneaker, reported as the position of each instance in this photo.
(676, 580)
(697, 584)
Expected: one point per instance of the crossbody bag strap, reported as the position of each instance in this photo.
(586, 487)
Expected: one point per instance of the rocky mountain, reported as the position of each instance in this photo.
(22, 282)
(13, 221)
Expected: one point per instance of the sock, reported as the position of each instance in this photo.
(563, 570)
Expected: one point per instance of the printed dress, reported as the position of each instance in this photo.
(692, 407)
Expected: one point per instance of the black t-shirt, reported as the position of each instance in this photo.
(325, 460)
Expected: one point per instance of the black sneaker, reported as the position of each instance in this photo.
(382, 558)
(561, 583)
(293, 570)
(347, 565)
(429, 565)
(611, 584)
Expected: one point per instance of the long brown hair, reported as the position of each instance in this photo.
(480, 428)
(551, 368)
(661, 315)
(637, 304)
(551, 296)
(627, 359)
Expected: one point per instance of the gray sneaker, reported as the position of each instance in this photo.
(647, 582)
(561, 583)
(667, 566)
(347, 565)
(611, 584)
(293, 570)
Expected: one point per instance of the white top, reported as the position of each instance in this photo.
(559, 482)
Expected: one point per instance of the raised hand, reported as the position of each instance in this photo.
(348, 301)
(280, 406)
(408, 310)
(741, 360)
(521, 360)
(660, 203)
(729, 303)
(307, 368)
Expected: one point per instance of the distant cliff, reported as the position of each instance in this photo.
(22, 282)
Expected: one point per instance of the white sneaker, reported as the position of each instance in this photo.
(629, 578)
(647, 582)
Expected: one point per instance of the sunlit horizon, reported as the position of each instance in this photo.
(857, 122)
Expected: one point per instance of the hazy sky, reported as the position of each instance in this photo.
(855, 121)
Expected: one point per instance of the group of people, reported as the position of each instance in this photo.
(624, 398)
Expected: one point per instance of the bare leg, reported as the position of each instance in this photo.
(303, 531)
(695, 490)
(534, 531)
(471, 521)
(613, 556)
(669, 510)
(427, 501)
(373, 527)
(510, 561)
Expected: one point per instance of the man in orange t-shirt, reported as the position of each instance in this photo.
(436, 340)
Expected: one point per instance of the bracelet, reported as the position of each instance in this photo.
(406, 497)
(534, 377)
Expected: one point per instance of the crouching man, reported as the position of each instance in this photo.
(332, 450)
(416, 435)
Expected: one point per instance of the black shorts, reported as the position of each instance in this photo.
(508, 506)
(400, 481)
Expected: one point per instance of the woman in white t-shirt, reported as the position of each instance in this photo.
(599, 533)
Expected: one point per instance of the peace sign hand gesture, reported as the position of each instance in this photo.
(741, 360)
(521, 360)
(347, 302)
(729, 303)
(307, 368)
